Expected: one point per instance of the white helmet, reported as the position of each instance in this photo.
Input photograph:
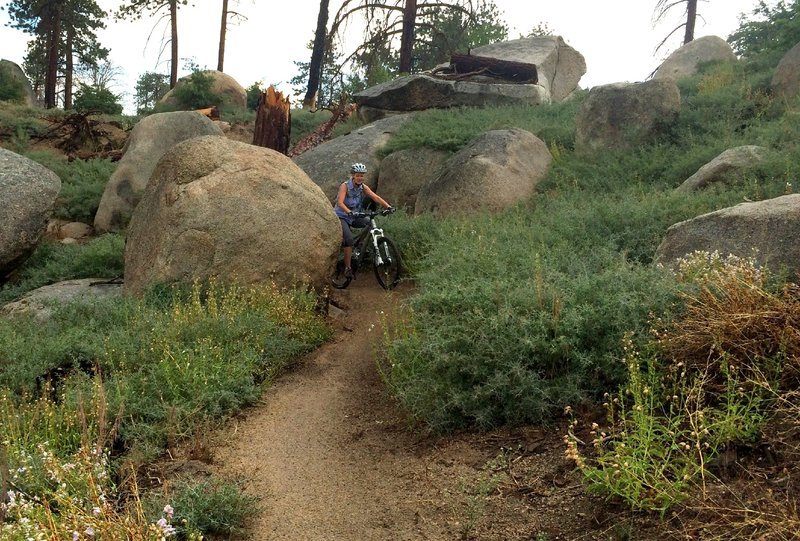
(358, 168)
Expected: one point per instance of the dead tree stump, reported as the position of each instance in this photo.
(273, 121)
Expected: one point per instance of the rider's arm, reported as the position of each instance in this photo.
(375, 197)
(340, 197)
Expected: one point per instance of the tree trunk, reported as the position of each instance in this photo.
(68, 69)
(407, 36)
(54, 35)
(317, 57)
(223, 27)
(691, 17)
(273, 121)
(173, 16)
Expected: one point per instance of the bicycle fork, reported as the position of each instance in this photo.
(380, 259)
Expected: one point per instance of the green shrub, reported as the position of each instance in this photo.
(194, 91)
(253, 93)
(539, 323)
(97, 100)
(213, 507)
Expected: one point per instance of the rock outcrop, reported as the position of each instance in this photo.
(216, 207)
(28, 192)
(624, 115)
(728, 166)
(786, 80)
(328, 164)
(12, 70)
(149, 140)
(232, 93)
(40, 302)
(419, 92)
(767, 230)
(685, 61)
(496, 170)
(559, 68)
(403, 173)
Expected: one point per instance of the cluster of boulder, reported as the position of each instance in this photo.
(196, 203)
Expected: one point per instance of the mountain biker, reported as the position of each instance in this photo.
(350, 199)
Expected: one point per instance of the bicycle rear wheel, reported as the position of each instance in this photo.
(388, 272)
(340, 280)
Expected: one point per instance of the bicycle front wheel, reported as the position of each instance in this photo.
(387, 266)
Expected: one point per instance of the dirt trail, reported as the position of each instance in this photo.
(331, 457)
(327, 452)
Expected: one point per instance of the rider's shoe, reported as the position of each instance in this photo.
(348, 273)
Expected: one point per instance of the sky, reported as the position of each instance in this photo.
(616, 37)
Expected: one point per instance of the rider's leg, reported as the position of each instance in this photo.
(348, 255)
(347, 243)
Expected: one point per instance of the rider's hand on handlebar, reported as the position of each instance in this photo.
(388, 210)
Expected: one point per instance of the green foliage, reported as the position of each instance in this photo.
(11, 88)
(50, 263)
(167, 359)
(451, 129)
(97, 100)
(546, 292)
(253, 95)
(194, 91)
(82, 186)
(304, 122)
(150, 87)
(212, 507)
(21, 121)
(765, 38)
(442, 32)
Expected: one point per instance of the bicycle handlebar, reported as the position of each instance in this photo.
(373, 213)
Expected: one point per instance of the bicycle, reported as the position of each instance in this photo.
(372, 244)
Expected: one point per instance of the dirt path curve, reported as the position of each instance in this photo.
(328, 452)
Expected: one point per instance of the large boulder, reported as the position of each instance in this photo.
(149, 140)
(496, 170)
(624, 115)
(728, 166)
(559, 66)
(216, 207)
(328, 164)
(14, 72)
(685, 61)
(28, 192)
(403, 173)
(420, 91)
(767, 230)
(40, 302)
(786, 80)
(225, 86)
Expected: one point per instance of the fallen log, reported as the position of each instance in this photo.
(113, 155)
(210, 112)
(323, 132)
(518, 72)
